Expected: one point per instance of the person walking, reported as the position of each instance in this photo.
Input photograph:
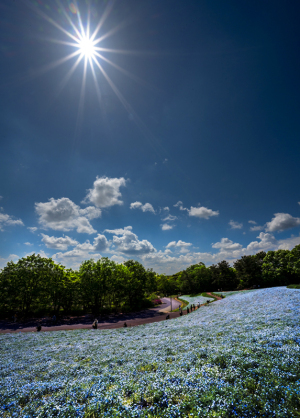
(187, 310)
(180, 311)
(95, 324)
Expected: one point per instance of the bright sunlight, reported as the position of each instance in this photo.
(86, 47)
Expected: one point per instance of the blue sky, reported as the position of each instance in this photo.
(182, 147)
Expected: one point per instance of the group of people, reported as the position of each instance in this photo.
(193, 307)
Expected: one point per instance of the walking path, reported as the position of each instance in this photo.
(214, 296)
(147, 316)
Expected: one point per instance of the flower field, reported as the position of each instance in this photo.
(236, 292)
(237, 357)
(194, 300)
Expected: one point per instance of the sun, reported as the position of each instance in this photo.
(86, 47)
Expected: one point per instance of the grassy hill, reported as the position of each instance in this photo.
(235, 357)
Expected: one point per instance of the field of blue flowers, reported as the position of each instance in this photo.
(237, 357)
(234, 292)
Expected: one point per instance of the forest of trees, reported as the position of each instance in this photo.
(38, 286)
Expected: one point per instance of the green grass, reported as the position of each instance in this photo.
(294, 286)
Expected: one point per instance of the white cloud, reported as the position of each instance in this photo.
(170, 218)
(119, 231)
(1, 197)
(288, 243)
(64, 215)
(227, 245)
(6, 220)
(252, 222)
(105, 192)
(136, 205)
(11, 257)
(281, 222)
(235, 225)
(91, 212)
(100, 243)
(32, 228)
(60, 243)
(202, 212)
(267, 242)
(147, 207)
(166, 227)
(28, 243)
(125, 241)
(257, 228)
(179, 205)
(167, 208)
(171, 244)
(181, 245)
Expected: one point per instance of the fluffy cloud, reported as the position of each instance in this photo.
(167, 208)
(6, 220)
(288, 243)
(281, 222)
(252, 222)
(147, 207)
(227, 245)
(64, 215)
(257, 228)
(267, 242)
(28, 243)
(125, 241)
(181, 245)
(32, 228)
(235, 225)
(202, 212)
(60, 243)
(166, 227)
(105, 192)
(100, 243)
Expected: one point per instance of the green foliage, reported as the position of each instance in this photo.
(36, 285)
(249, 270)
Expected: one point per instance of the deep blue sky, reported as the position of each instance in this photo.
(212, 121)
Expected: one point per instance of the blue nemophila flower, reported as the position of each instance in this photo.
(239, 357)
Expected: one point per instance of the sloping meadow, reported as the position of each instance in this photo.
(235, 357)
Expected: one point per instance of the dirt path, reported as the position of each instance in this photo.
(217, 297)
(85, 322)
(114, 321)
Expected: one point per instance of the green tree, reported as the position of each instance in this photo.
(26, 284)
(277, 269)
(223, 276)
(249, 270)
(136, 284)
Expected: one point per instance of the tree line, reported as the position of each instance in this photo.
(37, 286)
(274, 268)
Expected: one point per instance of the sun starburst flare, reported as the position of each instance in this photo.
(88, 49)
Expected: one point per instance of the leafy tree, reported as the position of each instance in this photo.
(294, 264)
(223, 276)
(277, 269)
(135, 286)
(249, 270)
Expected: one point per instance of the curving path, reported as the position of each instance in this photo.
(147, 316)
